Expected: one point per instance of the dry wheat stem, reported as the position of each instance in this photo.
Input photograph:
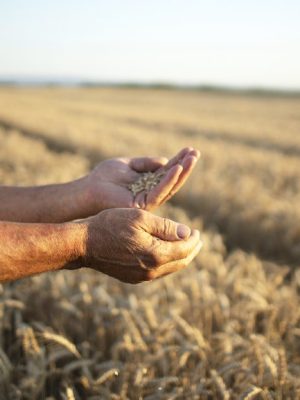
(222, 301)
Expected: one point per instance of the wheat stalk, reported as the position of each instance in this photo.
(251, 393)
(220, 385)
(282, 367)
(107, 375)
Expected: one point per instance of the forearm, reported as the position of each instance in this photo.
(51, 203)
(28, 249)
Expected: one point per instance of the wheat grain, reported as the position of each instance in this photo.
(147, 181)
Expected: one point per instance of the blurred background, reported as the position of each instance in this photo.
(85, 81)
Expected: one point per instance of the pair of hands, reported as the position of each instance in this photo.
(127, 242)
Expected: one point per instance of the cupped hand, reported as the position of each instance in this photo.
(134, 245)
(109, 182)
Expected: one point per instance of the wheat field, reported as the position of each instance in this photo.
(228, 327)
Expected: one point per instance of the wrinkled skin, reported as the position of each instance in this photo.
(134, 246)
(108, 182)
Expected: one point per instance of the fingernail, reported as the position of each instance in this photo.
(183, 231)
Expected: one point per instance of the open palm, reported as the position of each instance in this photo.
(110, 180)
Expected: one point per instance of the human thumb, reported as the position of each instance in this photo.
(167, 229)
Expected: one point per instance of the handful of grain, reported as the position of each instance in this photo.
(147, 181)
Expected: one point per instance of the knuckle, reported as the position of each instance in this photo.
(166, 226)
(150, 275)
(155, 253)
(182, 252)
(138, 215)
(155, 259)
(151, 260)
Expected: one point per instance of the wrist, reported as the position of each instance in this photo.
(94, 194)
(76, 234)
(82, 197)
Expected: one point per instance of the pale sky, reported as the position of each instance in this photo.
(232, 42)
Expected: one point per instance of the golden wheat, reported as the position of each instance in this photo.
(228, 326)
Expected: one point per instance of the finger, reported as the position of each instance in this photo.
(147, 164)
(170, 240)
(164, 252)
(161, 191)
(127, 274)
(140, 200)
(163, 228)
(174, 266)
(188, 165)
(135, 274)
(196, 153)
(179, 156)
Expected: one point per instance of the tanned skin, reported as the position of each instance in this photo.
(129, 244)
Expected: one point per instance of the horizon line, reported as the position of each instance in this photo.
(143, 84)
